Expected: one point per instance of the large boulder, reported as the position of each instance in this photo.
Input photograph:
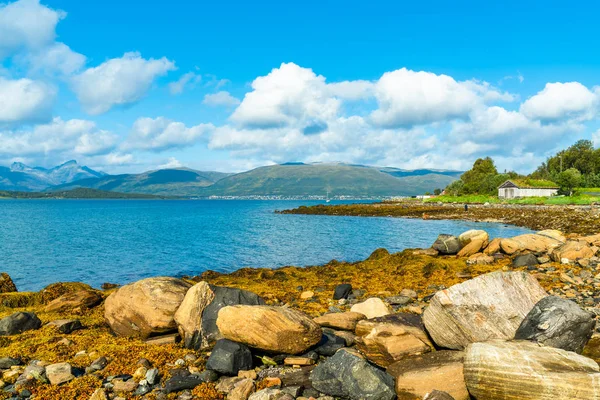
(18, 323)
(558, 323)
(348, 375)
(228, 358)
(388, 339)
(196, 317)
(473, 247)
(81, 299)
(6, 283)
(474, 234)
(572, 251)
(529, 242)
(439, 370)
(493, 247)
(554, 234)
(269, 328)
(341, 320)
(525, 370)
(490, 306)
(447, 244)
(145, 308)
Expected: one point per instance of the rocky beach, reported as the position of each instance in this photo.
(471, 317)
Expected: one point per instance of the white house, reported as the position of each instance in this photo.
(520, 188)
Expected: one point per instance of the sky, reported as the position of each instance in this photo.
(130, 86)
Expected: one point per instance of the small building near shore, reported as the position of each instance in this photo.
(517, 188)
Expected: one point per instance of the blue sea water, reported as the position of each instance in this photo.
(120, 241)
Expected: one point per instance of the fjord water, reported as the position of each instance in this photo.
(97, 241)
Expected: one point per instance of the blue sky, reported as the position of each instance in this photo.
(230, 85)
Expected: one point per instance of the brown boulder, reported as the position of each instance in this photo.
(82, 299)
(530, 242)
(527, 371)
(490, 306)
(481, 259)
(493, 247)
(473, 247)
(554, 234)
(474, 234)
(145, 308)
(391, 338)
(6, 284)
(345, 321)
(572, 251)
(439, 370)
(269, 328)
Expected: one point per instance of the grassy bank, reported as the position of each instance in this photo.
(557, 200)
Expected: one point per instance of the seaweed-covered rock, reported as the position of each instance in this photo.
(490, 306)
(348, 375)
(146, 307)
(6, 283)
(269, 328)
(80, 299)
(18, 323)
(558, 323)
(228, 358)
(447, 244)
(196, 317)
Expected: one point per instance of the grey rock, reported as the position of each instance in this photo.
(152, 376)
(398, 300)
(342, 291)
(208, 376)
(447, 244)
(525, 260)
(19, 322)
(182, 381)
(7, 362)
(349, 375)
(559, 323)
(228, 358)
(329, 344)
(437, 395)
(67, 326)
(99, 364)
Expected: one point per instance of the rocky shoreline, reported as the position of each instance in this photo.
(472, 317)
(583, 220)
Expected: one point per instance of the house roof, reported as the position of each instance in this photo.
(529, 184)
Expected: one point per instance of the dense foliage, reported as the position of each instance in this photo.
(482, 179)
(582, 157)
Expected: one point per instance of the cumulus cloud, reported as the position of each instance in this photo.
(118, 82)
(187, 80)
(25, 100)
(171, 163)
(557, 101)
(26, 24)
(222, 98)
(160, 134)
(73, 138)
(56, 59)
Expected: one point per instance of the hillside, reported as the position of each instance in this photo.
(317, 179)
(164, 182)
(79, 193)
(21, 177)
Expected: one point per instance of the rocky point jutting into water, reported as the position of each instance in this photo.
(472, 317)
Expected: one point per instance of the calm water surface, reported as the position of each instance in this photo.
(119, 241)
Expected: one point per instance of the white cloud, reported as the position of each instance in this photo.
(409, 98)
(25, 100)
(557, 101)
(26, 24)
(171, 163)
(57, 58)
(222, 98)
(186, 80)
(160, 134)
(73, 138)
(118, 82)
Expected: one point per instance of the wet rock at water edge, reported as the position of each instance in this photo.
(347, 374)
(196, 317)
(558, 323)
(447, 244)
(342, 291)
(228, 358)
(18, 323)
(6, 283)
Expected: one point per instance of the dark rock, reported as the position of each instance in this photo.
(559, 323)
(329, 344)
(342, 291)
(349, 375)
(6, 283)
(208, 376)
(311, 393)
(294, 391)
(289, 376)
(525, 260)
(378, 254)
(447, 244)
(181, 382)
(398, 300)
(109, 286)
(18, 323)
(67, 326)
(99, 364)
(437, 395)
(228, 358)
(144, 362)
(7, 362)
(357, 294)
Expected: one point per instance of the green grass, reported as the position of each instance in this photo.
(482, 199)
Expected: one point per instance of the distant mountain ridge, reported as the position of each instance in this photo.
(286, 180)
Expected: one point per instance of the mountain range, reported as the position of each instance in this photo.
(290, 179)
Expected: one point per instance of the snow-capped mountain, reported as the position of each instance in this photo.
(25, 178)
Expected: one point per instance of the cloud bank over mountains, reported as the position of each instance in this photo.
(404, 118)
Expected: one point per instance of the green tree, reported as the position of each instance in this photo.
(569, 180)
(437, 192)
